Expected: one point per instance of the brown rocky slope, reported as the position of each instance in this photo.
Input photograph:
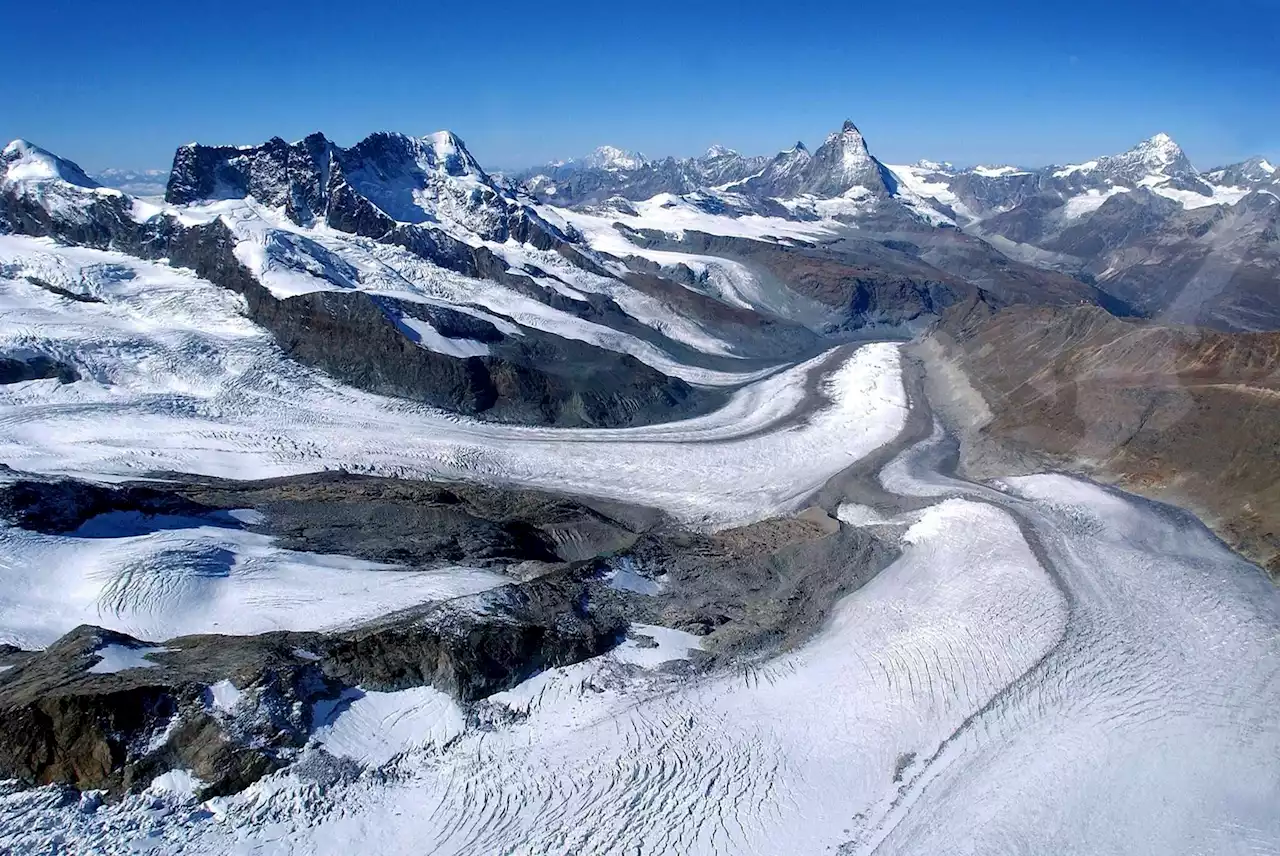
(1182, 414)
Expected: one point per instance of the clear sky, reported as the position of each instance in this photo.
(123, 84)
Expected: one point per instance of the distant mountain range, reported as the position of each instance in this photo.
(1145, 225)
(136, 182)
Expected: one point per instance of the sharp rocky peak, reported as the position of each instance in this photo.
(1157, 155)
(385, 179)
(441, 151)
(1160, 147)
(842, 163)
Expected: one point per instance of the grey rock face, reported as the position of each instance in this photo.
(782, 176)
(116, 731)
(843, 163)
(1256, 172)
(62, 505)
(755, 591)
(384, 180)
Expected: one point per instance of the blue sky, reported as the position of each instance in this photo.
(124, 84)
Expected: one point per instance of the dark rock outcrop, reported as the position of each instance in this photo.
(382, 184)
(36, 367)
(62, 722)
(426, 523)
(62, 505)
(231, 709)
(475, 646)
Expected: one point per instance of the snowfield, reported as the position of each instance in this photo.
(970, 699)
(176, 379)
(159, 577)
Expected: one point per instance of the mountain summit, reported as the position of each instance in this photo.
(843, 162)
(22, 161)
(1157, 156)
(385, 179)
(612, 157)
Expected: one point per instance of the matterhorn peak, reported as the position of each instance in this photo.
(850, 142)
(843, 162)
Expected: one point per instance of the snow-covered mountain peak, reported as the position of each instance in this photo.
(1154, 161)
(612, 157)
(934, 166)
(1159, 155)
(23, 161)
(441, 152)
(849, 140)
(719, 151)
(996, 171)
(843, 162)
(1247, 173)
(1160, 149)
(386, 178)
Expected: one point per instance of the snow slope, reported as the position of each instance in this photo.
(176, 379)
(795, 756)
(158, 577)
(290, 260)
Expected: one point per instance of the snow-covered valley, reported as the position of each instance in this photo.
(1048, 667)
(180, 381)
(780, 621)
